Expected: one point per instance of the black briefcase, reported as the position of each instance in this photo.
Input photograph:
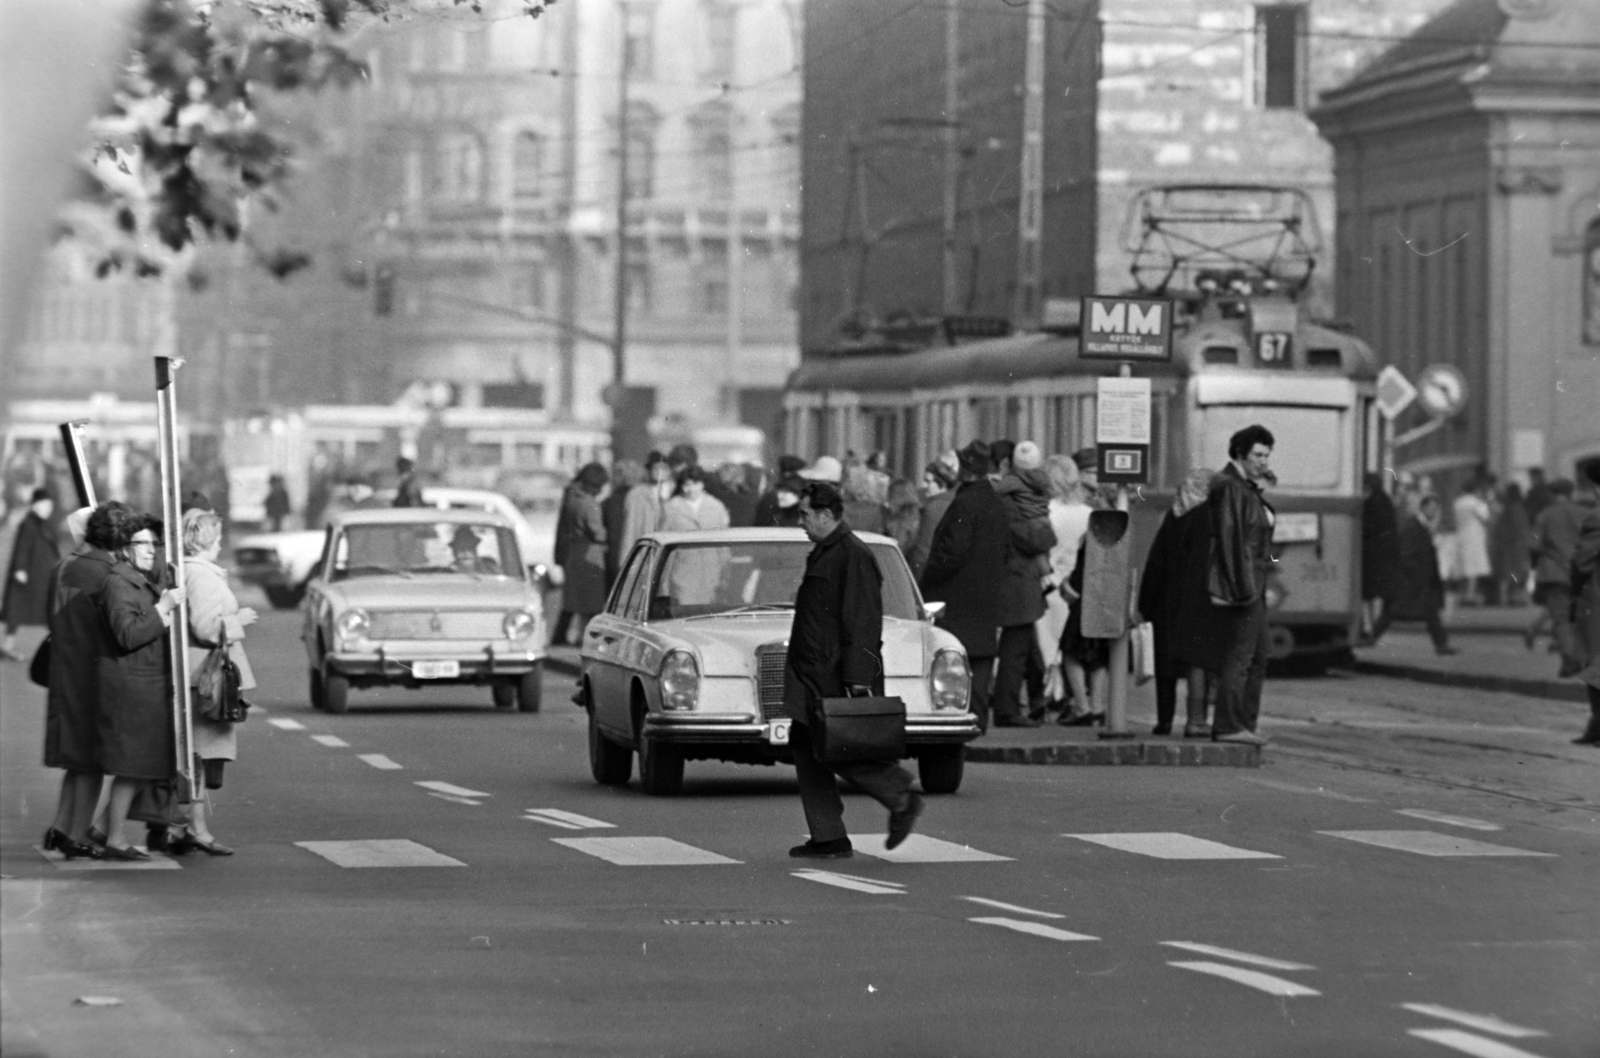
(856, 729)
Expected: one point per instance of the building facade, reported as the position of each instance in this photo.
(1468, 183)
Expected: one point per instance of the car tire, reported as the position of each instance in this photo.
(610, 764)
(530, 689)
(319, 699)
(335, 693)
(941, 768)
(505, 694)
(660, 768)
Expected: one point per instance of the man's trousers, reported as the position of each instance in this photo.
(1244, 667)
(883, 780)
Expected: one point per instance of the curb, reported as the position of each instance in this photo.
(1553, 690)
(1223, 754)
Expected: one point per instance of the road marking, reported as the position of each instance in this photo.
(1003, 906)
(379, 761)
(1428, 843)
(1273, 986)
(154, 863)
(643, 852)
(283, 723)
(919, 848)
(1448, 820)
(569, 820)
(851, 882)
(1172, 846)
(331, 741)
(453, 799)
(450, 788)
(1467, 1043)
(1238, 956)
(1037, 929)
(385, 852)
(1289, 787)
(1481, 1022)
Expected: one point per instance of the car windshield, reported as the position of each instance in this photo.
(696, 580)
(426, 549)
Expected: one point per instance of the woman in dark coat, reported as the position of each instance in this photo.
(1419, 589)
(1379, 541)
(135, 686)
(583, 547)
(34, 555)
(1174, 599)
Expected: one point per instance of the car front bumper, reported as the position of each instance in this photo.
(394, 661)
(921, 730)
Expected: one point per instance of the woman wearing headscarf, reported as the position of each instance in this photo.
(938, 488)
(215, 616)
(1173, 597)
(1069, 528)
(583, 549)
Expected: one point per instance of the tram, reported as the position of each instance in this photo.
(1245, 351)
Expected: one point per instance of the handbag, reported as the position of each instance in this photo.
(859, 729)
(1144, 652)
(39, 667)
(164, 802)
(216, 688)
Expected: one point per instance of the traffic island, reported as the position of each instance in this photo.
(1053, 744)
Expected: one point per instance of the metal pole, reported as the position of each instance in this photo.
(1116, 725)
(619, 355)
(952, 161)
(78, 461)
(1030, 199)
(172, 515)
(735, 276)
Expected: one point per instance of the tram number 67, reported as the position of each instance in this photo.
(1272, 348)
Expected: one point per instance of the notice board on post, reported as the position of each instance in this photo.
(1122, 430)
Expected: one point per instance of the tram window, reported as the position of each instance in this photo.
(1221, 354)
(1311, 441)
(1324, 358)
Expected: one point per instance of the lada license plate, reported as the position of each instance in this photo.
(778, 732)
(436, 670)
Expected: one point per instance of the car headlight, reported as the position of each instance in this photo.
(519, 624)
(353, 625)
(950, 681)
(680, 681)
(1275, 594)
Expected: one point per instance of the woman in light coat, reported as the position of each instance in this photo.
(214, 613)
(696, 573)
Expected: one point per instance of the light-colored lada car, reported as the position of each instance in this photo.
(417, 597)
(686, 662)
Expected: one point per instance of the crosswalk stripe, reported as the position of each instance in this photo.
(1165, 845)
(563, 824)
(1467, 1043)
(1481, 1022)
(1466, 822)
(331, 741)
(1428, 843)
(644, 852)
(1238, 956)
(283, 723)
(847, 881)
(453, 799)
(1003, 906)
(383, 852)
(1273, 986)
(919, 848)
(450, 788)
(379, 761)
(573, 820)
(1037, 929)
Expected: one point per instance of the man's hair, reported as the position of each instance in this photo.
(1239, 444)
(824, 496)
(1591, 470)
(692, 472)
(111, 526)
(201, 529)
(684, 454)
(1561, 487)
(1001, 452)
(195, 500)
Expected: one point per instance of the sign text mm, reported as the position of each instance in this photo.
(1126, 329)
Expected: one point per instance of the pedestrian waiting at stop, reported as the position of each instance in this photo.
(938, 489)
(836, 650)
(1585, 587)
(583, 548)
(1174, 599)
(1236, 579)
(1024, 492)
(1085, 661)
(1419, 594)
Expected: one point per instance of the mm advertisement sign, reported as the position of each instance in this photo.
(1126, 329)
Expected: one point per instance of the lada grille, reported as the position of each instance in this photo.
(770, 661)
(431, 624)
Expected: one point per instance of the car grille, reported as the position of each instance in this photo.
(430, 624)
(770, 661)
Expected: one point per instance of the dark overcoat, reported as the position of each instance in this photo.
(1174, 599)
(1585, 583)
(134, 680)
(966, 563)
(1419, 590)
(78, 640)
(1028, 544)
(1241, 539)
(1379, 546)
(614, 515)
(36, 553)
(583, 553)
(837, 635)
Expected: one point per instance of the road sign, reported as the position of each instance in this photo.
(1122, 430)
(1125, 329)
(1395, 392)
(1442, 390)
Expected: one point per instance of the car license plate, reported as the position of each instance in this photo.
(778, 732)
(436, 670)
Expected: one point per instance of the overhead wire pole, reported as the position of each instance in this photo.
(1030, 199)
(952, 118)
(619, 341)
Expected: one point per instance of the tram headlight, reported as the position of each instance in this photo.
(949, 680)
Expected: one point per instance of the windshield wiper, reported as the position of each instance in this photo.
(760, 607)
(374, 568)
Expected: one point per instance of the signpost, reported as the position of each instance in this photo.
(1122, 430)
(77, 460)
(172, 515)
(1395, 392)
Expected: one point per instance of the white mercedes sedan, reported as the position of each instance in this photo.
(686, 663)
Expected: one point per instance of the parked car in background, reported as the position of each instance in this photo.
(418, 596)
(686, 662)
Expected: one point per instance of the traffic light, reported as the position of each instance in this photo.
(383, 290)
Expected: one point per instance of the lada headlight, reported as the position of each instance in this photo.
(353, 625)
(519, 624)
(950, 681)
(680, 681)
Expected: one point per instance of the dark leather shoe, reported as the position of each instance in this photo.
(1015, 721)
(80, 850)
(1086, 720)
(838, 849)
(132, 853)
(188, 843)
(157, 839)
(53, 839)
(1161, 729)
(901, 822)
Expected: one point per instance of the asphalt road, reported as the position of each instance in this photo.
(1413, 871)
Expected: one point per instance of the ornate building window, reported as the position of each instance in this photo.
(786, 130)
(1591, 285)
(458, 168)
(527, 164)
(642, 122)
(713, 144)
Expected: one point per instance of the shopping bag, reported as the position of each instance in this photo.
(1144, 652)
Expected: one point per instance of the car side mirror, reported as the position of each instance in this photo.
(932, 610)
